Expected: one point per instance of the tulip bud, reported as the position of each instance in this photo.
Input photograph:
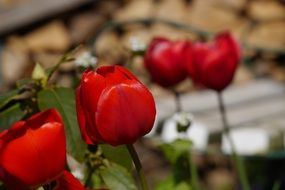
(165, 59)
(213, 65)
(32, 152)
(113, 106)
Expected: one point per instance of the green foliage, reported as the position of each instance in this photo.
(118, 154)
(103, 169)
(10, 110)
(109, 168)
(169, 184)
(7, 97)
(117, 177)
(10, 115)
(174, 150)
(96, 180)
(63, 100)
(183, 170)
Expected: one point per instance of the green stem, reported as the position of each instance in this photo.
(89, 177)
(238, 160)
(194, 174)
(276, 185)
(64, 59)
(177, 101)
(138, 166)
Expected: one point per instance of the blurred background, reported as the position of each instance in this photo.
(40, 31)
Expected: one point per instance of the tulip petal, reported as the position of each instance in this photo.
(115, 75)
(91, 87)
(218, 71)
(226, 42)
(125, 113)
(109, 102)
(214, 64)
(164, 61)
(68, 182)
(28, 151)
(81, 118)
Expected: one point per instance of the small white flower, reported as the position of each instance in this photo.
(183, 119)
(86, 59)
(137, 44)
(197, 132)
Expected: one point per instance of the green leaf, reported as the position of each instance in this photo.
(167, 184)
(182, 186)
(117, 177)
(170, 184)
(96, 181)
(118, 154)
(174, 150)
(10, 115)
(23, 82)
(63, 100)
(7, 97)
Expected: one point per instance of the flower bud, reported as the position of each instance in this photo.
(113, 106)
(213, 65)
(165, 61)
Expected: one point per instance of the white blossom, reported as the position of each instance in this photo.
(86, 59)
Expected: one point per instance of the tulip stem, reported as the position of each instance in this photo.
(194, 173)
(177, 101)
(237, 159)
(138, 166)
(89, 177)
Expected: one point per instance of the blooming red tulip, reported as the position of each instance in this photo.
(68, 182)
(164, 61)
(113, 106)
(213, 65)
(32, 152)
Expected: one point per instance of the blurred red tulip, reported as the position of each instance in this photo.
(214, 65)
(68, 182)
(32, 152)
(113, 106)
(164, 61)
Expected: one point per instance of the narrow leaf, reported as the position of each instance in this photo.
(7, 97)
(63, 100)
(171, 184)
(117, 177)
(173, 150)
(67, 57)
(10, 115)
(118, 154)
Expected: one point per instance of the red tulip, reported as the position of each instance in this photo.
(68, 182)
(164, 61)
(113, 106)
(213, 65)
(32, 152)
